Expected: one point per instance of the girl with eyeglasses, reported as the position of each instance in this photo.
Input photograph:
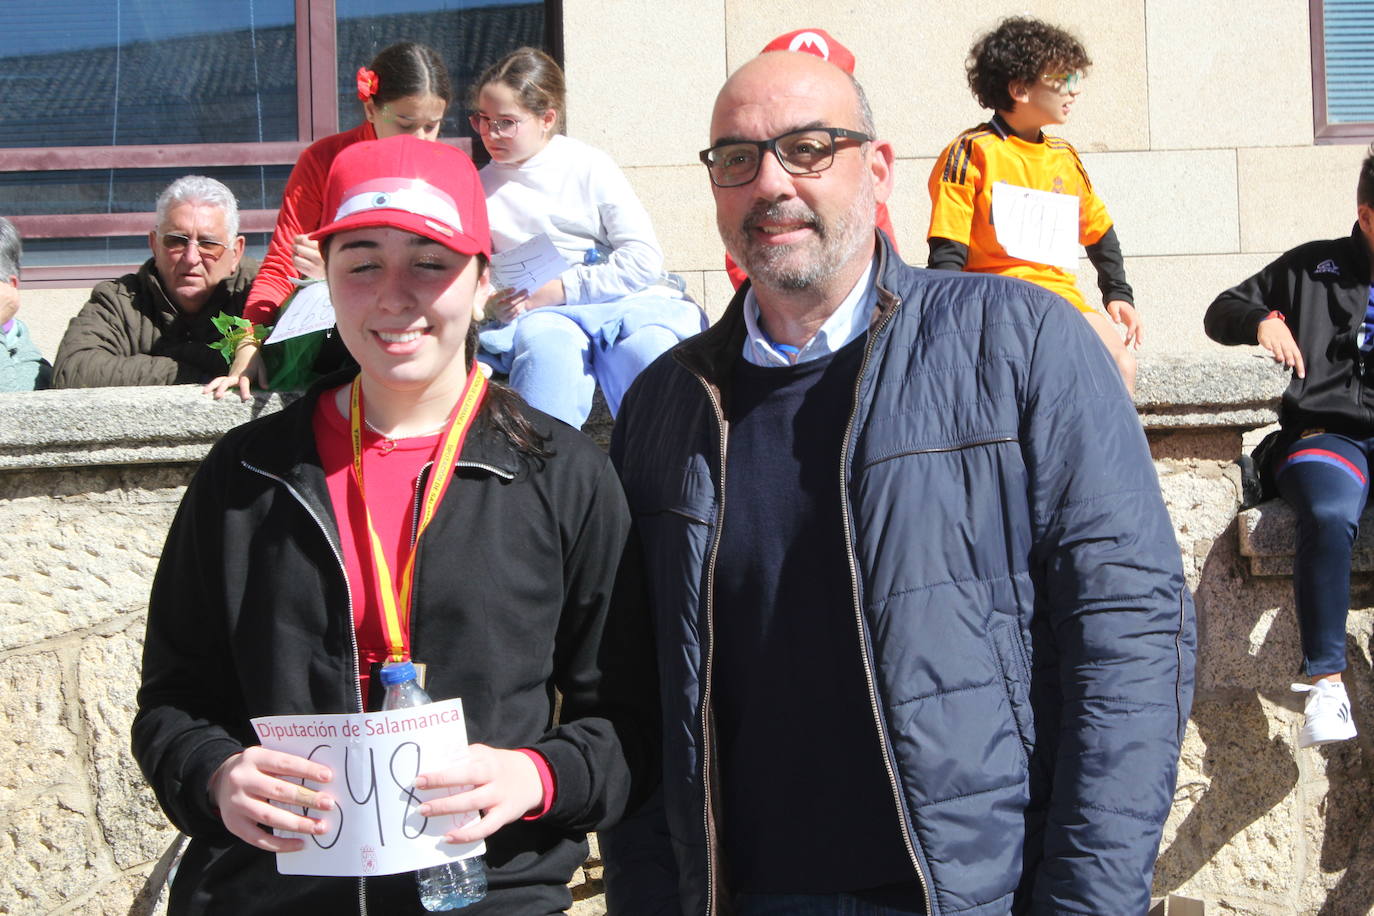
(612, 311)
(405, 90)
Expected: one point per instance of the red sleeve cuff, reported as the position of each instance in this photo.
(546, 782)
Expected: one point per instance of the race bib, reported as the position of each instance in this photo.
(1038, 226)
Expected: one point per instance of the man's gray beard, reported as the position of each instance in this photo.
(767, 265)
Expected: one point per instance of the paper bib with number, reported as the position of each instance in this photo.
(374, 758)
(1038, 226)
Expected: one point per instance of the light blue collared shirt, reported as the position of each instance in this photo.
(845, 324)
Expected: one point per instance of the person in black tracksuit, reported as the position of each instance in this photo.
(1312, 310)
(266, 598)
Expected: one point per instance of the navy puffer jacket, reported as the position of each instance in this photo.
(1026, 626)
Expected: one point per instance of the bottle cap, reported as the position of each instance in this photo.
(397, 673)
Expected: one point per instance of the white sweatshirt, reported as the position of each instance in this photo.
(580, 198)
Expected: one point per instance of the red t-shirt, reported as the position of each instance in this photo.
(391, 472)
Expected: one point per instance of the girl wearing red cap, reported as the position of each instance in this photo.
(272, 595)
(405, 90)
(612, 311)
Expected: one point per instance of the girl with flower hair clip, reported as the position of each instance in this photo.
(404, 90)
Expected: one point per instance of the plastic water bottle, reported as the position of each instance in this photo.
(453, 885)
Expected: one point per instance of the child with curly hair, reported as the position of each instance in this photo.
(1007, 199)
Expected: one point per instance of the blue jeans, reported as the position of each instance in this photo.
(1325, 478)
(817, 905)
(556, 356)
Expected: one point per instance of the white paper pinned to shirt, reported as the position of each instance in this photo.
(528, 265)
(1038, 226)
(308, 310)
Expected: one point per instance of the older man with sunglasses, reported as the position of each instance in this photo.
(154, 327)
(924, 641)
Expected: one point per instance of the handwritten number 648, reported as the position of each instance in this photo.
(407, 757)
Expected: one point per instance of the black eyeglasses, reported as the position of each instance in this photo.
(800, 152)
(177, 243)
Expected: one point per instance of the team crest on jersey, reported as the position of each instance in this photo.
(1327, 268)
(1058, 186)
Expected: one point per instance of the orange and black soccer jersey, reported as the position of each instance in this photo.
(961, 187)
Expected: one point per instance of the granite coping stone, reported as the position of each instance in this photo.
(1267, 537)
(1225, 387)
(113, 426)
(177, 424)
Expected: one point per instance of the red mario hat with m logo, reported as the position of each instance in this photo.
(814, 41)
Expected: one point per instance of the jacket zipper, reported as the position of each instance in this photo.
(489, 468)
(1359, 380)
(859, 616)
(415, 510)
(995, 440)
(1359, 361)
(352, 631)
(710, 652)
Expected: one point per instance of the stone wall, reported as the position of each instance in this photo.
(1258, 827)
(89, 482)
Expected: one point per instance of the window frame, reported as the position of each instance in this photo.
(1325, 132)
(317, 117)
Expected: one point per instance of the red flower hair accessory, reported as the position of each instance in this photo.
(367, 84)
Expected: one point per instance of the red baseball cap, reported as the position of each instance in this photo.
(407, 183)
(814, 41)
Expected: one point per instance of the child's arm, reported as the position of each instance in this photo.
(946, 254)
(953, 186)
(1107, 260)
(1117, 296)
(635, 260)
(302, 207)
(1097, 234)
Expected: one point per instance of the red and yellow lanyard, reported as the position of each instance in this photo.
(396, 602)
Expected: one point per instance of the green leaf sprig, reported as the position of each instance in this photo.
(235, 330)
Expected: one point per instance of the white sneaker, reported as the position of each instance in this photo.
(1326, 715)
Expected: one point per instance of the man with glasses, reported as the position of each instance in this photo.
(154, 327)
(822, 44)
(924, 640)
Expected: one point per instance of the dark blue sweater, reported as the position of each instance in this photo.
(808, 807)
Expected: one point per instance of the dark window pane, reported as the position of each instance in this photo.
(123, 250)
(129, 190)
(1348, 33)
(133, 72)
(470, 35)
